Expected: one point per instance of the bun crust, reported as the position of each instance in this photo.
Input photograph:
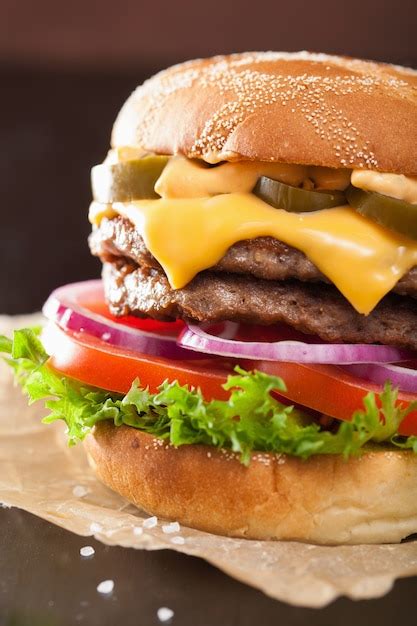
(304, 108)
(326, 500)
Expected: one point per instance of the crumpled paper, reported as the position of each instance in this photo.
(41, 474)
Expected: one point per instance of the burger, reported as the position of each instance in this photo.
(247, 365)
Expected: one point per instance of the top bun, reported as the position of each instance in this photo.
(313, 109)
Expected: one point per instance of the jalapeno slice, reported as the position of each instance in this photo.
(390, 212)
(294, 199)
(127, 180)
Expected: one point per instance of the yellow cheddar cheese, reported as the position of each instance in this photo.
(186, 236)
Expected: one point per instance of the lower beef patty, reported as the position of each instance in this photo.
(311, 308)
(263, 282)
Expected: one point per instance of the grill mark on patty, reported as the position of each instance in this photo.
(314, 308)
(263, 257)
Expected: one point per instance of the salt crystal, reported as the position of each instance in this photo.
(4, 505)
(87, 551)
(80, 491)
(173, 527)
(95, 528)
(165, 614)
(178, 540)
(137, 530)
(150, 522)
(106, 586)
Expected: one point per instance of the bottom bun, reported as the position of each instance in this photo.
(326, 500)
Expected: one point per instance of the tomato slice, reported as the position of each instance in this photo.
(95, 363)
(323, 388)
(330, 390)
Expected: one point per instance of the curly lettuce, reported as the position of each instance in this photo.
(251, 419)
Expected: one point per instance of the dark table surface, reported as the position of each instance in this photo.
(45, 582)
(54, 126)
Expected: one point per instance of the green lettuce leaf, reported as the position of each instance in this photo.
(252, 419)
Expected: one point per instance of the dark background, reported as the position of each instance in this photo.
(65, 70)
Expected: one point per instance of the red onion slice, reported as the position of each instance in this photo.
(402, 377)
(196, 338)
(68, 308)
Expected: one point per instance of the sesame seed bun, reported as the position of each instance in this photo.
(304, 108)
(327, 500)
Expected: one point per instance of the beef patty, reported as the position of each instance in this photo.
(263, 257)
(210, 296)
(260, 281)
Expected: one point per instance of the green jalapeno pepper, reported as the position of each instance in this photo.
(294, 199)
(127, 180)
(395, 214)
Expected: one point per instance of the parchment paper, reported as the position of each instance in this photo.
(41, 474)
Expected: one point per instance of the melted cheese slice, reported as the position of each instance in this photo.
(186, 236)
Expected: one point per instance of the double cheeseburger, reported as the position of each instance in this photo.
(247, 364)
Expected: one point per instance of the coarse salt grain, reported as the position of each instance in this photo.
(87, 551)
(106, 586)
(95, 528)
(80, 491)
(150, 522)
(137, 530)
(173, 527)
(165, 614)
(178, 540)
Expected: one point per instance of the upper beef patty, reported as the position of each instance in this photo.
(263, 257)
(261, 281)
